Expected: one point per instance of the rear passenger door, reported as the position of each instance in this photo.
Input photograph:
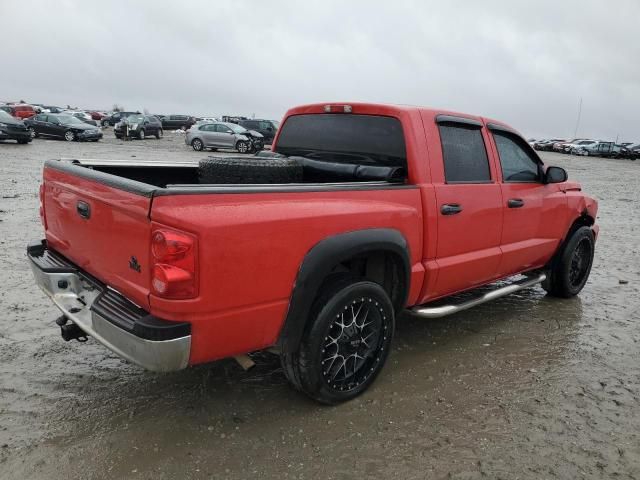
(208, 135)
(469, 217)
(534, 212)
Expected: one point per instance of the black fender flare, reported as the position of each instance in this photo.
(317, 265)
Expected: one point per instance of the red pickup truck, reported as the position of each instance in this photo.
(313, 249)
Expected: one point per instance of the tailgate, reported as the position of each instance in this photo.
(101, 223)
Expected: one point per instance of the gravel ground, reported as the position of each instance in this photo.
(526, 387)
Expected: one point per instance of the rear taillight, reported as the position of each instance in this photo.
(174, 270)
(41, 196)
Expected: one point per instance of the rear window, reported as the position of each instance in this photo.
(362, 139)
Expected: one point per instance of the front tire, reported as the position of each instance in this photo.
(159, 133)
(345, 344)
(570, 270)
(33, 132)
(242, 146)
(69, 136)
(197, 144)
(141, 134)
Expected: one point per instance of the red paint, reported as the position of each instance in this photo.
(22, 111)
(248, 248)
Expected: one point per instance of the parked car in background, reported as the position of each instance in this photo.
(216, 135)
(572, 147)
(96, 115)
(177, 122)
(115, 117)
(62, 126)
(546, 145)
(12, 128)
(267, 128)
(560, 146)
(139, 126)
(84, 116)
(51, 109)
(634, 151)
(19, 111)
(601, 149)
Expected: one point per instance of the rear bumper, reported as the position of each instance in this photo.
(107, 316)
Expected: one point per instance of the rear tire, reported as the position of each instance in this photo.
(569, 272)
(352, 322)
(251, 170)
(197, 144)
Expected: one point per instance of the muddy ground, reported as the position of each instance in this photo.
(525, 387)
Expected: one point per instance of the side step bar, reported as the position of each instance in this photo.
(444, 310)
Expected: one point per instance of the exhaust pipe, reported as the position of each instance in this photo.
(71, 331)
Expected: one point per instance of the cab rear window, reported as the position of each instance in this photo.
(347, 138)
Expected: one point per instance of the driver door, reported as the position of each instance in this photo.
(533, 212)
(225, 136)
(53, 127)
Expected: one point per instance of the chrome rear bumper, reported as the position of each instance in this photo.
(88, 303)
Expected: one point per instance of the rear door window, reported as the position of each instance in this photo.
(464, 154)
(518, 163)
(345, 138)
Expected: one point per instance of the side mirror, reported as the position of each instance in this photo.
(555, 175)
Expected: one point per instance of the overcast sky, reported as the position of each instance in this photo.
(527, 65)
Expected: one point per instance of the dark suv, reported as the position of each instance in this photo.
(139, 126)
(176, 122)
(267, 128)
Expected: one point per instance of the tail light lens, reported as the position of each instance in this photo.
(43, 220)
(174, 271)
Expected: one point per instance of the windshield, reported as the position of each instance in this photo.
(5, 117)
(70, 119)
(362, 139)
(135, 118)
(236, 128)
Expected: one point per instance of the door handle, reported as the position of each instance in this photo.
(515, 203)
(83, 209)
(450, 209)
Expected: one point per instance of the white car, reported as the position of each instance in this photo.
(84, 116)
(572, 148)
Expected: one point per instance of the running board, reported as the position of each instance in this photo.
(444, 310)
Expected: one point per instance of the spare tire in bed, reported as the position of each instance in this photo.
(254, 170)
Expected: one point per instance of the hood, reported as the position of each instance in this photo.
(255, 134)
(12, 121)
(79, 126)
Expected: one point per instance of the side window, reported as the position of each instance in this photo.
(222, 129)
(464, 154)
(518, 164)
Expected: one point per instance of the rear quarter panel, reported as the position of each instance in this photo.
(251, 247)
